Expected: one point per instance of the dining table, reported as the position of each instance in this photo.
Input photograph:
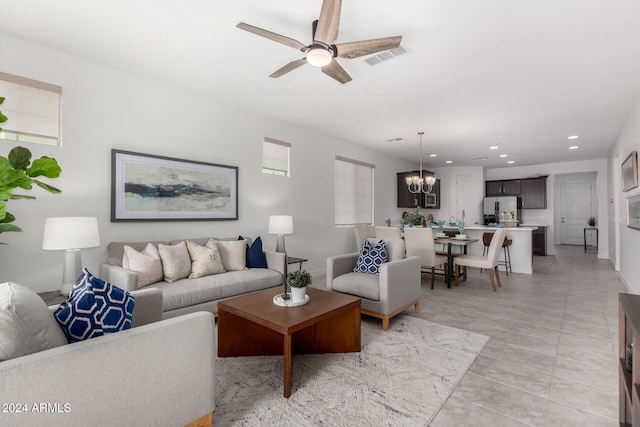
(451, 242)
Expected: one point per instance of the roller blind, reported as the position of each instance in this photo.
(275, 156)
(353, 192)
(33, 109)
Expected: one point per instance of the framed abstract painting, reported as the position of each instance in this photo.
(630, 172)
(145, 187)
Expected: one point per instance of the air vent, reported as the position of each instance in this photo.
(386, 55)
(480, 158)
(396, 140)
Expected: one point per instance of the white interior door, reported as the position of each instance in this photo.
(467, 198)
(575, 209)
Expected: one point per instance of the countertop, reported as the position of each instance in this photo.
(522, 228)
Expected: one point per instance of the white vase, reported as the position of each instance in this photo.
(297, 294)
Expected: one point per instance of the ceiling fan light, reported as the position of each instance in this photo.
(319, 57)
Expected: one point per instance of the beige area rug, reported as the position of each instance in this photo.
(400, 378)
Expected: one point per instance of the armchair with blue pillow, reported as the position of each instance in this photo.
(124, 365)
(387, 281)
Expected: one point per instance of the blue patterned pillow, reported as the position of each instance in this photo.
(371, 257)
(255, 254)
(94, 308)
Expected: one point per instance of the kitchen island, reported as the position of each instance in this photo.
(520, 250)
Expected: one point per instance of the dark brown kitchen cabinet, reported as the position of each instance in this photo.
(406, 199)
(510, 187)
(534, 193)
(539, 241)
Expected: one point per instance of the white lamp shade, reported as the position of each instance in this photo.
(280, 224)
(62, 233)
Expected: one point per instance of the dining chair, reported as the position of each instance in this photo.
(362, 231)
(486, 239)
(388, 233)
(419, 242)
(490, 262)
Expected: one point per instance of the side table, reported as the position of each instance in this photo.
(590, 247)
(294, 260)
(52, 297)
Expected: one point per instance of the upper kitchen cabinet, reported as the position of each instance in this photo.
(511, 187)
(534, 193)
(406, 199)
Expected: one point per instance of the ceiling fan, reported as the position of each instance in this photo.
(322, 52)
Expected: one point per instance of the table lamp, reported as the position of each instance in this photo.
(280, 225)
(70, 234)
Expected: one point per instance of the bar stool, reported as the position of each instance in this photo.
(486, 239)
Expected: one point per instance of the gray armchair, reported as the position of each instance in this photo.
(384, 295)
(159, 373)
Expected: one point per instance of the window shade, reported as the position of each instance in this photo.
(275, 155)
(353, 192)
(33, 107)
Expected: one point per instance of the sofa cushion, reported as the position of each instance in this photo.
(115, 250)
(255, 254)
(233, 253)
(187, 292)
(204, 260)
(95, 308)
(176, 263)
(371, 257)
(359, 284)
(26, 323)
(145, 264)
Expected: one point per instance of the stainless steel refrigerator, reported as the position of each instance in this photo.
(494, 206)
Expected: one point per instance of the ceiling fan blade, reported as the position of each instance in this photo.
(271, 36)
(335, 71)
(289, 67)
(328, 22)
(366, 47)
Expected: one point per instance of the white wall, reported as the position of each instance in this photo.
(103, 109)
(627, 239)
(599, 166)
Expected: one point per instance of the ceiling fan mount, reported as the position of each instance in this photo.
(322, 52)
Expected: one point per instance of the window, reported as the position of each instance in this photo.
(33, 109)
(275, 157)
(353, 192)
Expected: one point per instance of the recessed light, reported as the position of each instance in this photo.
(494, 147)
(573, 147)
(449, 161)
(433, 155)
(573, 137)
(511, 162)
(503, 155)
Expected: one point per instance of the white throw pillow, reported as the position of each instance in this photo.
(145, 264)
(176, 263)
(204, 260)
(395, 247)
(26, 323)
(233, 253)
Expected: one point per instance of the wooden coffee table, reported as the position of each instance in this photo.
(252, 325)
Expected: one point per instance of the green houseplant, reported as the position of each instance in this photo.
(17, 171)
(3, 118)
(592, 221)
(298, 281)
(416, 217)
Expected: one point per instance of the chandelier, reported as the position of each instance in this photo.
(417, 184)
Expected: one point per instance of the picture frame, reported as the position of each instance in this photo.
(630, 171)
(146, 187)
(633, 212)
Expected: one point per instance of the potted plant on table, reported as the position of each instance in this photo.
(298, 281)
(415, 218)
(592, 221)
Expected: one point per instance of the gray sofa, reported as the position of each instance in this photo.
(133, 377)
(200, 294)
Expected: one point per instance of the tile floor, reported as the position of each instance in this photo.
(551, 359)
(552, 356)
